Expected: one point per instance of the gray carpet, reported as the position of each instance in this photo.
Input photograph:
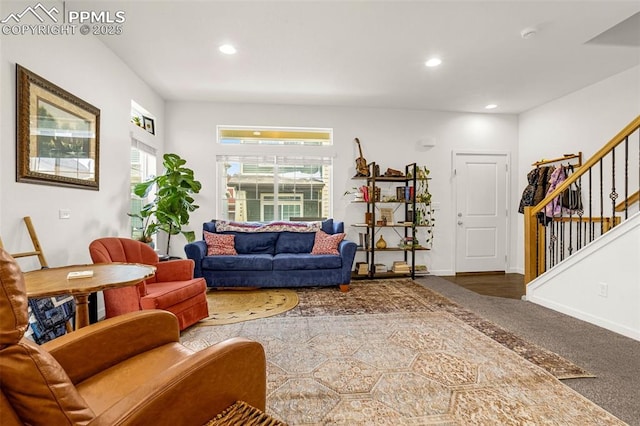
(613, 358)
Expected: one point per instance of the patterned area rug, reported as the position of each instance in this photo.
(423, 368)
(231, 306)
(405, 295)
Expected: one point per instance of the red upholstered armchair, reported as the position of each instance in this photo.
(173, 288)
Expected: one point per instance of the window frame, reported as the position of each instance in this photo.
(283, 155)
(150, 168)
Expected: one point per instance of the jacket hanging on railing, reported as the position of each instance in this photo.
(554, 207)
(529, 191)
(537, 188)
(544, 173)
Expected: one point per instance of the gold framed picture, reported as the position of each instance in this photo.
(57, 135)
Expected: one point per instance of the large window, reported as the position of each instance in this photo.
(143, 167)
(289, 177)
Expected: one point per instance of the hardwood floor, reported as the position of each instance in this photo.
(498, 284)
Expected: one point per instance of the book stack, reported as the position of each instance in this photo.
(421, 270)
(380, 267)
(400, 267)
(370, 193)
(400, 193)
(409, 193)
(362, 268)
(365, 193)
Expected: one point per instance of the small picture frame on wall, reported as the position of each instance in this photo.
(149, 125)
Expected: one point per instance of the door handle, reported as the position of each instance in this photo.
(459, 222)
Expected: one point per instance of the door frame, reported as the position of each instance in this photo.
(507, 245)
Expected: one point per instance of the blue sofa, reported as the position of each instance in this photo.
(274, 259)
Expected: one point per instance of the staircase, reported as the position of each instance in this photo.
(585, 262)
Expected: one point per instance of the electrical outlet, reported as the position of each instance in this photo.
(64, 214)
(603, 289)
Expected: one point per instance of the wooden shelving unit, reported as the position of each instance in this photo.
(405, 229)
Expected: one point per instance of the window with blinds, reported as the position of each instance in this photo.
(275, 181)
(143, 167)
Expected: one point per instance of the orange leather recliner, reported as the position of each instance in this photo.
(173, 288)
(128, 370)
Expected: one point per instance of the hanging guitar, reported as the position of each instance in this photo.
(361, 164)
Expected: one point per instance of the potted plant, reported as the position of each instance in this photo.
(169, 210)
(143, 232)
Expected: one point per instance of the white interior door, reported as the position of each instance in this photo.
(481, 212)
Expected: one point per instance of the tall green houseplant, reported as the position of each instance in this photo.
(173, 200)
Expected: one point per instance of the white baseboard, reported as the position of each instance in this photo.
(442, 272)
(450, 272)
(584, 316)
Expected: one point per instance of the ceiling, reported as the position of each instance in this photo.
(372, 53)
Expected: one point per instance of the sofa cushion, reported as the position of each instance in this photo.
(326, 244)
(220, 244)
(242, 262)
(254, 242)
(209, 226)
(274, 226)
(292, 262)
(295, 242)
(327, 226)
(166, 294)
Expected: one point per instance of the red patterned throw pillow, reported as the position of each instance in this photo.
(220, 244)
(326, 243)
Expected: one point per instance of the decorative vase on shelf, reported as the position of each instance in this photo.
(381, 244)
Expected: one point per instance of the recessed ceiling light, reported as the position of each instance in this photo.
(433, 62)
(257, 133)
(227, 49)
(491, 106)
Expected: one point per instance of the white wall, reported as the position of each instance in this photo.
(581, 121)
(83, 66)
(575, 287)
(388, 136)
(585, 121)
